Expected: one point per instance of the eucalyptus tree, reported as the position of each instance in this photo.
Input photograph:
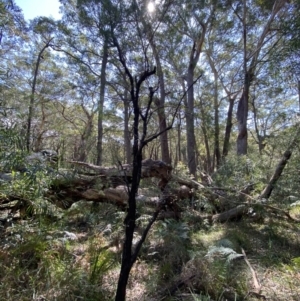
(258, 41)
(119, 90)
(84, 32)
(39, 58)
(191, 21)
(13, 35)
(272, 108)
(224, 59)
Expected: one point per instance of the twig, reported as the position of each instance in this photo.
(256, 284)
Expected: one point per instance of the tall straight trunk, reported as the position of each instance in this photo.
(231, 98)
(208, 165)
(82, 149)
(242, 117)
(101, 103)
(249, 73)
(190, 127)
(228, 128)
(160, 103)
(128, 148)
(242, 111)
(179, 140)
(217, 151)
(32, 95)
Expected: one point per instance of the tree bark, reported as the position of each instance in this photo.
(32, 96)
(230, 214)
(127, 140)
(101, 102)
(87, 132)
(242, 111)
(190, 127)
(228, 128)
(217, 152)
(139, 142)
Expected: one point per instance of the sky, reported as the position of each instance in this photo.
(36, 8)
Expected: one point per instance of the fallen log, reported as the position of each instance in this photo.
(234, 213)
(150, 168)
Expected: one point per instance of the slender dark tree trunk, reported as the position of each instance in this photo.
(208, 165)
(242, 111)
(32, 96)
(190, 127)
(101, 103)
(179, 140)
(139, 142)
(217, 151)
(228, 128)
(165, 154)
(160, 102)
(242, 117)
(128, 147)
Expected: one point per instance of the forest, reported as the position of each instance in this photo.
(150, 150)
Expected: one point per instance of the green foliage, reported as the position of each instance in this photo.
(101, 261)
(220, 252)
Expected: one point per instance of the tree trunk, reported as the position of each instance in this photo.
(139, 142)
(179, 140)
(101, 103)
(242, 117)
(32, 96)
(217, 151)
(228, 128)
(242, 111)
(159, 102)
(127, 142)
(208, 163)
(190, 127)
(249, 72)
(82, 149)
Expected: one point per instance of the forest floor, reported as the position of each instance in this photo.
(75, 255)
